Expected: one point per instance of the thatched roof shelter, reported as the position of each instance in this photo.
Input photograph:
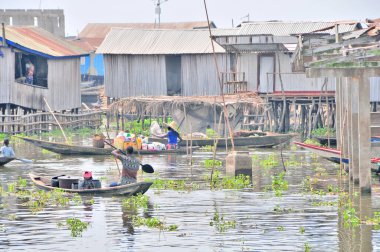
(192, 113)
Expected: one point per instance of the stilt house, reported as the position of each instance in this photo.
(161, 62)
(261, 56)
(93, 34)
(34, 64)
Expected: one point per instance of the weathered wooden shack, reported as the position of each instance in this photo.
(93, 34)
(161, 62)
(262, 53)
(34, 64)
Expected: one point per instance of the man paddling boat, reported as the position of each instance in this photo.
(6, 150)
(131, 165)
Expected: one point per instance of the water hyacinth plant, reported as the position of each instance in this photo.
(76, 226)
(279, 184)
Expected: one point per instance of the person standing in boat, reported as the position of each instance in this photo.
(131, 165)
(6, 150)
(172, 135)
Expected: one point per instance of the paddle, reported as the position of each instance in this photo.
(24, 160)
(146, 167)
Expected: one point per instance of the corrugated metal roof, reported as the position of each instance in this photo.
(100, 30)
(290, 28)
(38, 41)
(143, 42)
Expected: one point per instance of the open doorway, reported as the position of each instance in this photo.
(173, 75)
(31, 69)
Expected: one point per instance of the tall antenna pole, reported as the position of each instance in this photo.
(158, 10)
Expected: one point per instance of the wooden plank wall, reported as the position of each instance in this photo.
(134, 75)
(199, 75)
(7, 74)
(28, 96)
(64, 84)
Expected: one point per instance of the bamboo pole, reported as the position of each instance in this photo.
(55, 118)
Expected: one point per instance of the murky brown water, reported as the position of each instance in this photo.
(258, 226)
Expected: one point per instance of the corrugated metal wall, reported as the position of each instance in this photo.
(64, 84)
(7, 74)
(136, 75)
(248, 63)
(127, 75)
(375, 89)
(199, 75)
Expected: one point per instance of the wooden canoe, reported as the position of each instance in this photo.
(268, 140)
(44, 183)
(5, 160)
(331, 154)
(67, 149)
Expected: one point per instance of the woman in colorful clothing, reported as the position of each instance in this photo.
(131, 165)
(172, 136)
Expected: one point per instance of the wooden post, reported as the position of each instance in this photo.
(354, 161)
(52, 113)
(338, 117)
(364, 135)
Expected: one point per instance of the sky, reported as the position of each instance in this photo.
(224, 13)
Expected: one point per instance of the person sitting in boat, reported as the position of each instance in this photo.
(131, 165)
(7, 151)
(87, 182)
(172, 135)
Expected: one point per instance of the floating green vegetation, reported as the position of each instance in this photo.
(312, 141)
(325, 203)
(153, 222)
(76, 226)
(279, 184)
(302, 230)
(135, 202)
(375, 221)
(270, 162)
(237, 182)
(323, 132)
(350, 216)
(179, 185)
(293, 163)
(307, 247)
(320, 172)
(277, 209)
(221, 224)
(212, 163)
(280, 228)
(37, 200)
(207, 148)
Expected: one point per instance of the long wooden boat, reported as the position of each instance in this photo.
(44, 183)
(268, 140)
(68, 149)
(331, 154)
(5, 160)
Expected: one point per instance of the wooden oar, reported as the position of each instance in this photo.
(117, 163)
(146, 167)
(24, 160)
